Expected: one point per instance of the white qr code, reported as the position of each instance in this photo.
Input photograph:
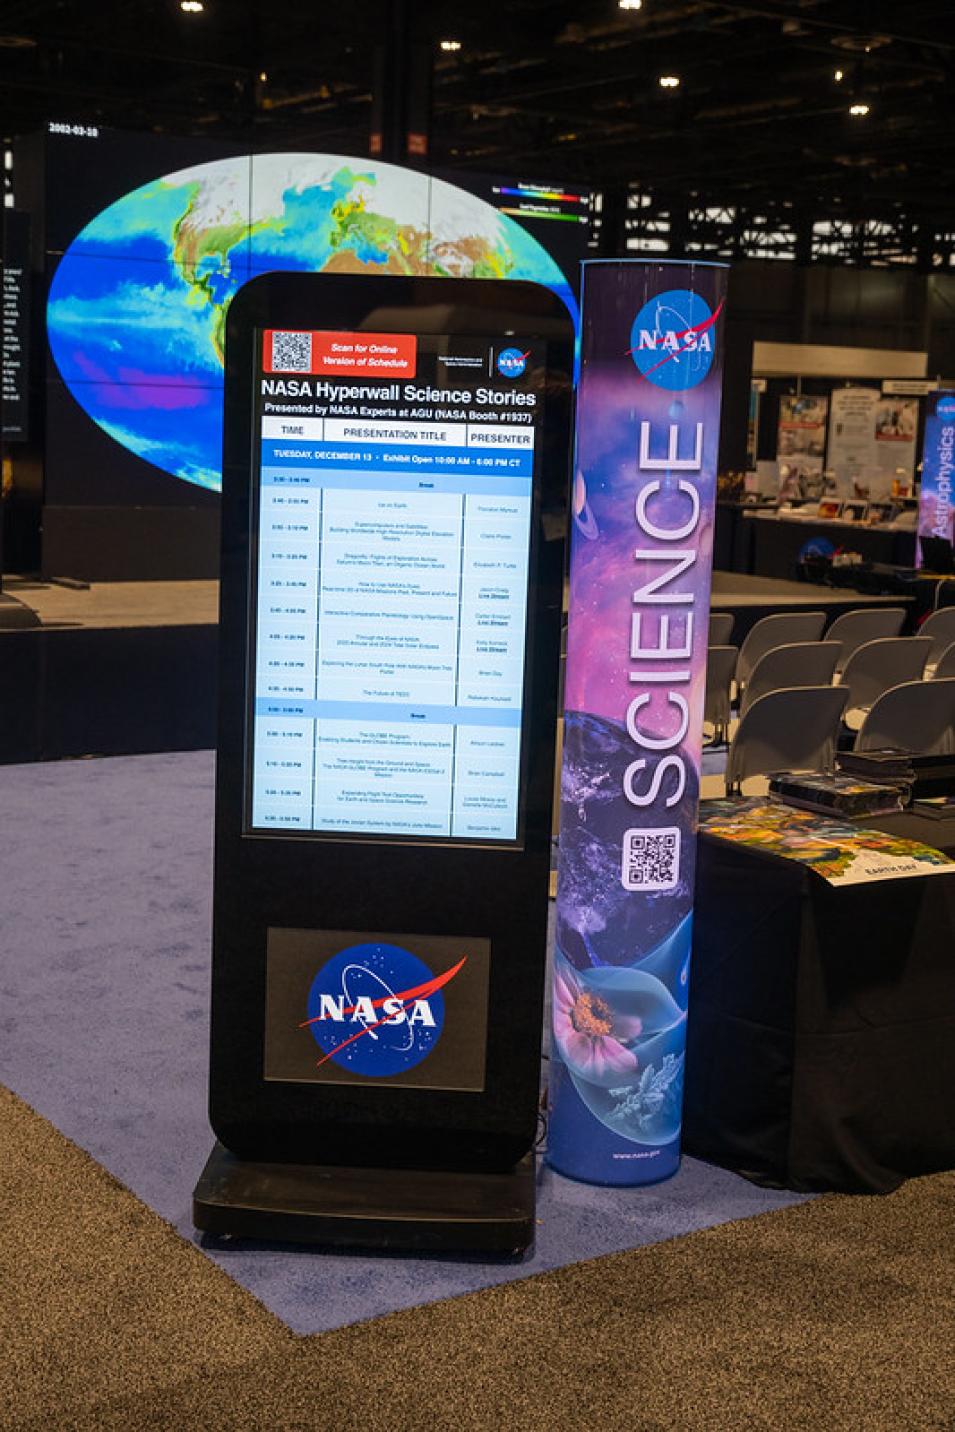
(651, 859)
(291, 352)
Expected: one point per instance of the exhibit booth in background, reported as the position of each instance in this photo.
(137, 245)
(833, 452)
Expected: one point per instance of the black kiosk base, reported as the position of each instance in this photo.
(388, 1209)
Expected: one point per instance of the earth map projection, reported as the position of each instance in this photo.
(137, 306)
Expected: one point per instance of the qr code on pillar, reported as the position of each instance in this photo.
(291, 352)
(651, 859)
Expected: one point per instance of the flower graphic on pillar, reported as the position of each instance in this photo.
(589, 1034)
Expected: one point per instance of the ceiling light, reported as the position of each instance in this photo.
(859, 110)
(668, 81)
(191, 7)
(630, 4)
(263, 76)
(451, 46)
(839, 76)
(861, 44)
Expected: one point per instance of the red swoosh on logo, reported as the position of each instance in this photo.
(682, 333)
(406, 996)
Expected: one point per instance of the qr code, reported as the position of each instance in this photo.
(291, 353)
(651, 859)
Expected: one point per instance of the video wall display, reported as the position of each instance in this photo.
(148, 243)
(557, 216)
(15, 321)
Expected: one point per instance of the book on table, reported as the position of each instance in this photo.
(835, 794)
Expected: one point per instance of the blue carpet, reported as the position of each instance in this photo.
(104, 974)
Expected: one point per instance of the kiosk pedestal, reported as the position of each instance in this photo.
(389, 638)
(425, 1210)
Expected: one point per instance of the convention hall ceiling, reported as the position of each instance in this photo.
(760, 116)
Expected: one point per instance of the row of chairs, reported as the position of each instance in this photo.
(798, 694)
(851, 630)
(872, 668)
(797, 728)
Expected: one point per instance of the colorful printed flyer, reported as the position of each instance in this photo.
(841, 853)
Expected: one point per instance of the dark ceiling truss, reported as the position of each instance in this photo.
(670, 225)
(557, 90)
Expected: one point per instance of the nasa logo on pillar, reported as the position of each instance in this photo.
(377, 1009)
(673, 339)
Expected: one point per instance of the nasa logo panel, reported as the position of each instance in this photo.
(673, 339)
(351, 1008)
(511, 362)
(377, 1009)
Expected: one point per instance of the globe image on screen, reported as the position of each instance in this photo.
(137, 306)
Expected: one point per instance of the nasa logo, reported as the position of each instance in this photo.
(376, 1009)
(511, 362)
(673, 339)
(816, 547)
(945, 407)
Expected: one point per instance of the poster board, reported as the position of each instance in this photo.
(896, 430)
(852, 450)
(801, 444)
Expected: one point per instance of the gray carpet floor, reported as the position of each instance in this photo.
(835, 1314)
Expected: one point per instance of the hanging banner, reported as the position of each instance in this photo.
(801, 444)
(852, 455)
(648, 409)
(896, 424)
(938, 457)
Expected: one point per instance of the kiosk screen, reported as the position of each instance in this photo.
(393, 485)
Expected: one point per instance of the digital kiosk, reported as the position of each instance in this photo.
(394, 478)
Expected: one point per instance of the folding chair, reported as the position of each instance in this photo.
(778, 630)
(854, 629)
(721, 628)
(800, 663)
(877, 666)
(793, 729)
(945, 666)
(917, 716)
(720, 665)
(940, 628)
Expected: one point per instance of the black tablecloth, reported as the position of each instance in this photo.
(777, 543)
(821, 1033)
(938, 832)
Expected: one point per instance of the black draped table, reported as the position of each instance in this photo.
(821, 1032)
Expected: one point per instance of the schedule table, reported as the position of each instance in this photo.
(391, 614)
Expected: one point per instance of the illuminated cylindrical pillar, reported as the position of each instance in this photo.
(648, 411)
